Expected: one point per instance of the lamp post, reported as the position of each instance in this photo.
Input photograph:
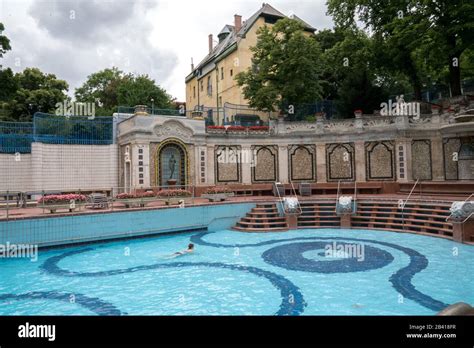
(152, 106)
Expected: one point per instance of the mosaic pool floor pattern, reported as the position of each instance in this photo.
(234, 273)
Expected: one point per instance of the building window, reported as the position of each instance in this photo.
(194, 91)
(209, 86)
(220, 101)
(202, 85)
(222, 73)
(231, 72)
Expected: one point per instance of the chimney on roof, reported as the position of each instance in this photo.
(237, 23)
(210, 43)
(192, 64)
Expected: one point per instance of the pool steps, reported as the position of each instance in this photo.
(417, 217)
(263, 218)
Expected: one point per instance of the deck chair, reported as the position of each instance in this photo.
(98, 201)
(304, 188)
(278, 189)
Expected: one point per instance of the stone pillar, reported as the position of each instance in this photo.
(283, 164)
(246, 167)
(210, 165)
(360, 165)
(140, 165)
(346, 220)
(403, 159)
(292, 221)
(462, 232)
(437, 159)
(321, 162)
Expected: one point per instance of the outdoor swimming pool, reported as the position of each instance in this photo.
(233, 273)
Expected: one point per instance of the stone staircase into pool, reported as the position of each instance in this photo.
(263, 218)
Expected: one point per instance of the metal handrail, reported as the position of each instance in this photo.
(279, 196)
(300, 211)
(404, 204)
(355, 196)
(472, 194)
(337, 195)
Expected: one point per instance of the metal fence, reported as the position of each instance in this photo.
(17, 137)
(75, 130)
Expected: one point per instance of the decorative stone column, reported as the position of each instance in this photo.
(359, 147)
(403, 159)
(321, 162)
(437, 159)
(283, 163)
(140, 165)
(210, 169)
(246, 167)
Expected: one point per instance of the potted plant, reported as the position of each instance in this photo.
(435, 109)
(70, 202)
(216, 129)
(139, 199)
(259, 129)
(174, 196)
(358, 113)
(218, 193)
(237, 129)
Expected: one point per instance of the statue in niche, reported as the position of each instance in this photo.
(172, 165)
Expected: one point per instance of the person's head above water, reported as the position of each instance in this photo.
(191, 246)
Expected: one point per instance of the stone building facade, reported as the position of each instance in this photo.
(367, 148)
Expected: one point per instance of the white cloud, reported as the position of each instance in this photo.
(157, 38)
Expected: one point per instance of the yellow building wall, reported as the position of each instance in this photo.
(227, 89)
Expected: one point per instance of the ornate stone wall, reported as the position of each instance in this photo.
(227, 164)
(154, 162)
(421, 159)
(302, 162)
(340, 161)
(451, 147)
(266, 163)
(380, 160)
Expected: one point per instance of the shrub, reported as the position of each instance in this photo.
(217, 189)
(236, 128)
(215, 127)
(174, 193)
(60, 199)
(147, 194)
(259, 128)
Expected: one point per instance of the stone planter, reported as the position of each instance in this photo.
(217, 197)
(216, 130)
(135, 202)
(175, 200)
(71, 207)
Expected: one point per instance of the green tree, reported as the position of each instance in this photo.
(285, 68)
(4, 42)
(36, 91)
(101, 88)
(351, 78)
(110, 88)
(437, 31)
(140, 90)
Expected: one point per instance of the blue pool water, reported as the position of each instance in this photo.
(232, 273)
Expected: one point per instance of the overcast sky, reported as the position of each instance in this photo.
(74, 38)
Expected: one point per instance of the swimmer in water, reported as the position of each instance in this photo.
(189, 250)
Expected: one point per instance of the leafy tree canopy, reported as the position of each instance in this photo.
(286, 68)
